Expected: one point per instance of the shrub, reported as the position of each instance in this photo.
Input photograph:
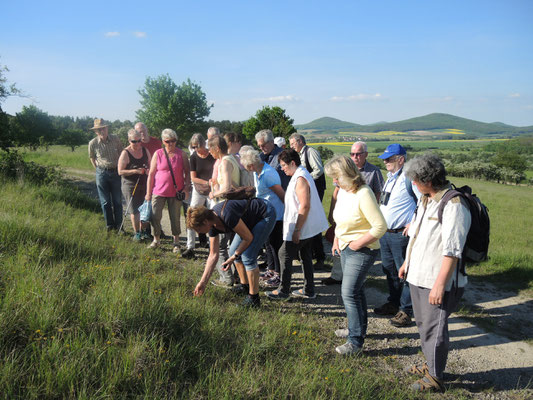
(13, 167)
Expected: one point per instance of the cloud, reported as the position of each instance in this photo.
(277, 99)
(357, 97)
(139, 34)
(112, 34)
(447, 98)
(514, 95)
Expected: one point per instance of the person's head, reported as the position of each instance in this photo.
(250, 159)
(359, 154)
(212, 131)
(394, 157)
(427, 172)
(100, 128)
(143, 130)
(197, 141)
(217, 146)
(265, 141)
(297, 142)
(234, 141)
(169, 138)
(280, 142)
(200, 219)
(345, 173)
(289, 160)
(134, 138)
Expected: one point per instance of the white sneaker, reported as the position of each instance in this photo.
(348, 349)
(153, 245)
(342, 333)
(176, 249)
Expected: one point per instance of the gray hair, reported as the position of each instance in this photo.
(168, 134)
(427, 168)
(266, 135)
(298, 137)
(133, 134)
(142, 126)
(197, 140)
(362, 144)
(213, 131)
(249, 156)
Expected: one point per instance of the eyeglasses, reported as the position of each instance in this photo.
(135, 141)
(390, 159)
(194, 147)
(357, 154)
(170, 141)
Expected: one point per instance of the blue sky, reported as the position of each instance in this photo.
(359, 61)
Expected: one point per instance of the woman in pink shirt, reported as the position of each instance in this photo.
(164, 188)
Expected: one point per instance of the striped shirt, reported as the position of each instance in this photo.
(105, 153)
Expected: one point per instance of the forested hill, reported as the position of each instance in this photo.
(428, 122)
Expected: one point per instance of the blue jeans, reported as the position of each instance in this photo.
(110, 195)
(261, 231)
(393, 247)
(355, 266)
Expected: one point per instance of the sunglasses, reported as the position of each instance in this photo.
(194, 147)
(135, 141)
(170, 141)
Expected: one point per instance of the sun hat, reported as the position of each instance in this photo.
(394, 149)
(279, 141)
(98, 124)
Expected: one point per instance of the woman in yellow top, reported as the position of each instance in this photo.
(359, 226)
(228, 168)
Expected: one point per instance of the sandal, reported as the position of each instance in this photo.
(414, 370)
(428, 384)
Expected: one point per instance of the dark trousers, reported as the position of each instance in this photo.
(110, 195)
(273, 245)
(318, 246)
(288, 252)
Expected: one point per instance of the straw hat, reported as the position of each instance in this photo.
(98, 124)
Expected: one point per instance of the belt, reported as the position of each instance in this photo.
(396, 230)
(107, 169)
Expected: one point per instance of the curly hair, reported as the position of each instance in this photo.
(427, 168)
(196, 216)
(343, 169)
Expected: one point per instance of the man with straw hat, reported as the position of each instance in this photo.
(104, 152)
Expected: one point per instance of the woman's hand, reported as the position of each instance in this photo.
(354, 245)
(199, 289)
(227, 264)
(335, 248)
(148, 197)
(401, 272)
(296, 236)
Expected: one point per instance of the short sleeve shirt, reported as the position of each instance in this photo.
(250, 214)
(263, 182)
(202, 166)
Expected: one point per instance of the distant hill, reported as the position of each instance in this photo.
(436, 121)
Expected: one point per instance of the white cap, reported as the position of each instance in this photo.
(279, 141)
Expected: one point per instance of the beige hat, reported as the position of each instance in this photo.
(98, 124)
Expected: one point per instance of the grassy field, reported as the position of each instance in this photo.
(60, 156)
(83, 315)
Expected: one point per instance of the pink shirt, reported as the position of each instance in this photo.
(163, 185)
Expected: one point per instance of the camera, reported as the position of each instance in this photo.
(180, 196)
(384, 198)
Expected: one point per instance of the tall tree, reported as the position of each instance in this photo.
(167, 105)
(6, 135)
(273, 118)
(33, 128)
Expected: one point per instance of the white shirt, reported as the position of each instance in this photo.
(401, 206)
(433, 241)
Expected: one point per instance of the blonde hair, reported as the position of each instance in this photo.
(196, 216)
(346, 172)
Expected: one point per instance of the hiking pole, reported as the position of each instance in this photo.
(129, 203)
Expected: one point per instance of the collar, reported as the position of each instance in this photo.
(303, 150)
(364, 166)
(103, 141)
(440, 193)
(393, 175)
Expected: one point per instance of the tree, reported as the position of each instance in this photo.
(73, 138)
(33, 127)
(166, 105)
(6, 135)
(325, 153)
(511, 160)
(273, 118)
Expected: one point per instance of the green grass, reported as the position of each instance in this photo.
(85, 315)
(61, 156)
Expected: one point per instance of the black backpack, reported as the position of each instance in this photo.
(477, 241)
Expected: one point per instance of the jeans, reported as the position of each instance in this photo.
(197, 199)
(261, 231)
(273, 245)
(288, 252)
(393, 247)
(355, 266)
(110, 195)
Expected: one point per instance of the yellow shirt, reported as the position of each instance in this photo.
(356, 214)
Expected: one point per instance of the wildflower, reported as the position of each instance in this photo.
(108, 342)
(294, 333)
(326, 378)
(60, 329)
(167, 361)
(38, 331)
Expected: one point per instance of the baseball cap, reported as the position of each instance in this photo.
(394, 149)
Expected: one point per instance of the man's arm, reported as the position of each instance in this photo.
(315, 162)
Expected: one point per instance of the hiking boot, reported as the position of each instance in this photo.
(251, 302)
(387, 309)
(240, 289)
(277, 295)
(342, 333)
(348, 349)
(136, 237)
(222, 284)
(415, 370)
(428, 384)
(331, 281)
(400, 320)
(302, 294)
(189, 253)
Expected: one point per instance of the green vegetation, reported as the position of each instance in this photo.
(60, 156)
(273, 118)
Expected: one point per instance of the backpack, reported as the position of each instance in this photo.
(477, 240)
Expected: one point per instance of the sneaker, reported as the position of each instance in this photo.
(240, 290)
(300, 293)
(387, 309)
(348, 349)
(153, 245)
(277, 295)
(273, 282)
(400, 320)
(251, 302)
(189, 253)
(415, 370)
(342, 333)
(137, 237)
(146, 236)
(222, 284)
(203, 244)
(331, 281)
(265, 276)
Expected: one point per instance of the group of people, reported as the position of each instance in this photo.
(394, 218)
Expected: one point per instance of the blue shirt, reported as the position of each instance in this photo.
(263, 182)
(273, 160)
(401, 206)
